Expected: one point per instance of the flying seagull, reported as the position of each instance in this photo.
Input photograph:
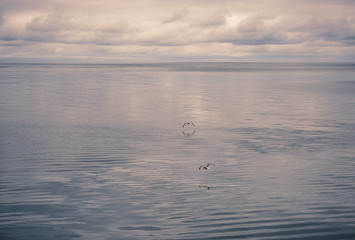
(188, 123)
(207, 167)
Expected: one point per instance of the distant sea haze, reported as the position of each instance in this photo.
(100, 151)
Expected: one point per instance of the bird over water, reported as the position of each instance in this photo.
(188, 123)
(207, 167)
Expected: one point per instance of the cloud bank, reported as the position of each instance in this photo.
(159, 30)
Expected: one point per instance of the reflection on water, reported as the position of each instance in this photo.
(189, 133)
(99, 152)
(206, 187)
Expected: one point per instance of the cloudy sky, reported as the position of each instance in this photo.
(176, 30)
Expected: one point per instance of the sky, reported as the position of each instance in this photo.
(176, 30)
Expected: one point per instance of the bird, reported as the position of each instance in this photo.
(189, 123)
(207, 167)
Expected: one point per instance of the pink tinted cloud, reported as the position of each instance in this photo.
(180, 27)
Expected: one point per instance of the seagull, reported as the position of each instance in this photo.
(188, 123)
(207, 167)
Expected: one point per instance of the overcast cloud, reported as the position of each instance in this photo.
(170, 30)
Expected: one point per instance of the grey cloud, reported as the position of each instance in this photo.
(216, 19)
(8, 37)
(257, 38)
(1, 17)
(336, 29)
(252, 23)
(59, 21)
(291, 29)
(46, 23)
(177, 15)
(321, 28)
(268, 27)
(177, 25)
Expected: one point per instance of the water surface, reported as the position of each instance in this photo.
(99, 152)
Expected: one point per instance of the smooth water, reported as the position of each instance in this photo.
(99, 152)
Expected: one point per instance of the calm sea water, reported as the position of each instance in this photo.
(99, 152)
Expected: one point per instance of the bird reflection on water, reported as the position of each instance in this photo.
(188, 134)
(207, 187)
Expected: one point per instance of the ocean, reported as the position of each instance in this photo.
(99, 151)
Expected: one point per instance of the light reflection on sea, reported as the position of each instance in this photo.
(99, 152)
